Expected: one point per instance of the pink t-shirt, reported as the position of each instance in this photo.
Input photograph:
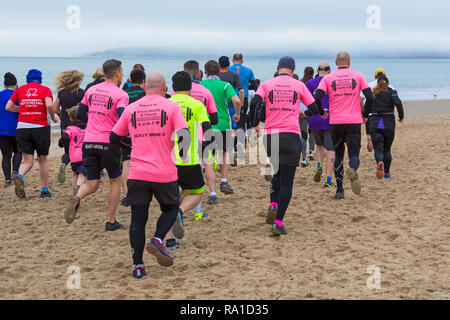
(103, 101)
(203, 95)
(283, 95)
(151, 122)
(344, 87)
(76, 136)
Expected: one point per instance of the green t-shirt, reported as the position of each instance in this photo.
(222, 92)
(195, 114)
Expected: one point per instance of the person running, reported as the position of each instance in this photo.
(8, 128)
(321, 129)
(105, 103)
(308, 74)
(223, 94)
(98, 77)
(73, 138)
(129, 83)
(135, 92)
(203, 95)
(190, 176)
(69, 95)
(380, 72)
(344, 87)
(248, 81)
(381, 120)
(151, 123)
(282, 95)
(33, 129)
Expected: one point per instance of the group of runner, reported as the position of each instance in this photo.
(151, 143)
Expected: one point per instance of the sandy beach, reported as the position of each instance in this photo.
(401, 226)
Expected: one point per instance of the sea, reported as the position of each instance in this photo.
(414, 79)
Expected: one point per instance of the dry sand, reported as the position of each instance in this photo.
(402, 226)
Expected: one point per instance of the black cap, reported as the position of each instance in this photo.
(286, 63)
(181, 81)
(224, 62)
(10, 80)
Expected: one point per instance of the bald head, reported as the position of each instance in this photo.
(155, 83)
(343, 59)
(323, 69)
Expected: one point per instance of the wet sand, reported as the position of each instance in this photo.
(401, 226)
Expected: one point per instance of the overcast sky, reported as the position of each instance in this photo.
(39, 27)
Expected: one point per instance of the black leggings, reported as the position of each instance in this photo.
(8, 146)
(382, 142)
(350, 135)
(65, 157)
(139, 217)
(281, 188)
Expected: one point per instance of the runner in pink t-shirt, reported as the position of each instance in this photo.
(152, 123)
(282, 96)
(344, 87)
(101, 108)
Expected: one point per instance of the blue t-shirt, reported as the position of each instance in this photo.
(8, 119)
(245, 74)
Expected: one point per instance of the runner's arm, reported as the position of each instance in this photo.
(369, 100)
(205, 127)
(181, 134)
(242, 96)
(313, 110)
(10, 106)
(398, 103)
(49, 105)
(82, 112)
(114, 138)
(236, 104)
(57, 105)
(253, 120)
(64, 141)
(213, 118)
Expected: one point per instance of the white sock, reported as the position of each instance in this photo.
(212, 194)
(159, 240)
(224, 180)
(198, 208)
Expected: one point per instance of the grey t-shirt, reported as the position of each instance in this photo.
(232, 78)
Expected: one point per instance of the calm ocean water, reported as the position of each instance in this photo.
(414, 79)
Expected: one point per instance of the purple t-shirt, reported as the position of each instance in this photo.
(316, 122)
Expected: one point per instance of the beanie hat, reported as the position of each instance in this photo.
(181, 81)
(286, 63)
(34, 76)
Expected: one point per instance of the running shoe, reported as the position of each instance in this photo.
(387, 175)
(271, 214)
(8, 183)
(19, 186)
(212, 200)
(124, 201)
(268, 177)
(172, 244)
(178, 227)
(71, 212)
(225, 188)
(318, 174)
(304, 163)
(354, 178)
(113, 226)
(45, 194)
(339, 194)
(380, 170)
(279, 231)
(62, 173)
(311, 156)
(329, 185)
(157, 249)
(139, 271)
(201, 215)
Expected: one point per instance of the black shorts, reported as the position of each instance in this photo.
(34, 139)
(190, 177)
(141, 193)
(98, 156)
(323, 138)
(78, 168)
(222, 140)
(126, 153)
(289, 148)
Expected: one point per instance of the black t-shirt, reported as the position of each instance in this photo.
(68, 100)
(134, 93)
(232, 78)
(93, 83)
